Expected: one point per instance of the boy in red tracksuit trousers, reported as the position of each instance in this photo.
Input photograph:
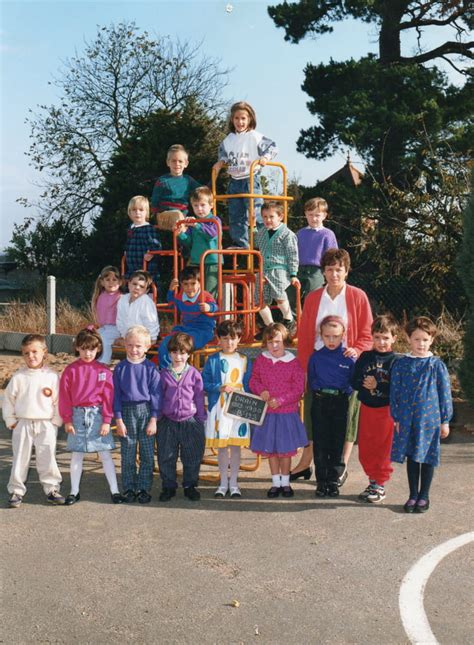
(372, 380)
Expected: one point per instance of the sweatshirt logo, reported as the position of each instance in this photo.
(47, 391)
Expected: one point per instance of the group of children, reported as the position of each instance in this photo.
(409, 393)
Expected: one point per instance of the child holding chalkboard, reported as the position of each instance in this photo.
(278, 378)
(225, 371)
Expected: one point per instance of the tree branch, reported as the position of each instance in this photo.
(450, 47)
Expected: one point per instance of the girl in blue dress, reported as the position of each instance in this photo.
(421, 406)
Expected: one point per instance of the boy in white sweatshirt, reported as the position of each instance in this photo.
(30, 410)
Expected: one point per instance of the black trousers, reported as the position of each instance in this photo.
(329, 420)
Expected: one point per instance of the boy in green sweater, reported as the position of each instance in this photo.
(202, 236)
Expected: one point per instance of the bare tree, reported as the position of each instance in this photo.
(123, 74)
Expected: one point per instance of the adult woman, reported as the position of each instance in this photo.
(341, 299)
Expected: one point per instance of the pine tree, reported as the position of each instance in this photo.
(466, 273)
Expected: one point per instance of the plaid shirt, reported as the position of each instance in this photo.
(141, 239)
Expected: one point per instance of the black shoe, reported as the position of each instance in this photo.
(72, 499)
(117, 498)
(129, 496)
(422, 506)
(287, 491)
(167, 494)
(410, 505)
(192, 494)
(333, 489)
(321, 489)
(144, 497)
(306, 474)
(273, 492)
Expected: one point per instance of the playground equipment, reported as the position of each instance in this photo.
(239, 272)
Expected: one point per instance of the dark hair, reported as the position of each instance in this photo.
(273, 205)
(272, 330)
(336, 256)
(34, 338)
(142, 275)
(88, 338)
(329, 321)
(242, 105)
(423, 323)
(181, 342)
(232, 328)
(188, 273)
(385, 324)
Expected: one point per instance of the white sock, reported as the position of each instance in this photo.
(285, 480)
(234, 464)
(76, 471)
(109, 470)
(276, 481)
(285, 309)
(223, 461)
(266, 315)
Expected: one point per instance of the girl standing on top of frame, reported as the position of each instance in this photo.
(225, 371)
(240, 148)
(421, 406)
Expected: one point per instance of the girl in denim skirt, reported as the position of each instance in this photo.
(86, 395)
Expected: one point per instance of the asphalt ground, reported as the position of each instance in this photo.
(253, 570)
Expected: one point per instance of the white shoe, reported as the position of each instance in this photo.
(221, 491)
(235, 491)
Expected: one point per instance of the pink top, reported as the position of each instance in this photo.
(83, 385)
(106, 307)
(283, 379)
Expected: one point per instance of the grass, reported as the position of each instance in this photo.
(30, 317)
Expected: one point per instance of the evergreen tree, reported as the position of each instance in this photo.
(466, 273)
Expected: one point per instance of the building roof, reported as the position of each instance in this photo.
(347, 174)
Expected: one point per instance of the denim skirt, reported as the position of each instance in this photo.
(87, 422)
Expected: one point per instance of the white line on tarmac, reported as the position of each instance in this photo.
(412, 590)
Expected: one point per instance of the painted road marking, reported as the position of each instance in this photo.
(412, 590)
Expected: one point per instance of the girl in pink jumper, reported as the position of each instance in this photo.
(278, 378)
(86, 394)
(104, 309)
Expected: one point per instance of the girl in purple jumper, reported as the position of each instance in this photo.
(278, 378)
(104, 309)
(181, 425)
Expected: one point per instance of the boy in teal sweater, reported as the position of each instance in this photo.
(202, 236)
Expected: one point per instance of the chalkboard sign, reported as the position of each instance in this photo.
(242, 405)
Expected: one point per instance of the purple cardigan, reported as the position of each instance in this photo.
(181, 400)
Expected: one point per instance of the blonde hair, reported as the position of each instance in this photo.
(139, 330)
(34, 338)
(139, 199)
(316, 203)
(202, 192)
(176, 147)
(98, 288)
(242, 105)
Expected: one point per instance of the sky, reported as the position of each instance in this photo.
(37, 37)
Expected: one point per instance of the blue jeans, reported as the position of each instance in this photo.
(239, 210)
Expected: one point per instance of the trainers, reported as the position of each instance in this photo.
(129, 496)
(376, 495)
(365, 493)
(221, 491)
(235, 492)
(167, 494)
(15, 500)
(55, 498)
(192, 494)
(144, 497)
